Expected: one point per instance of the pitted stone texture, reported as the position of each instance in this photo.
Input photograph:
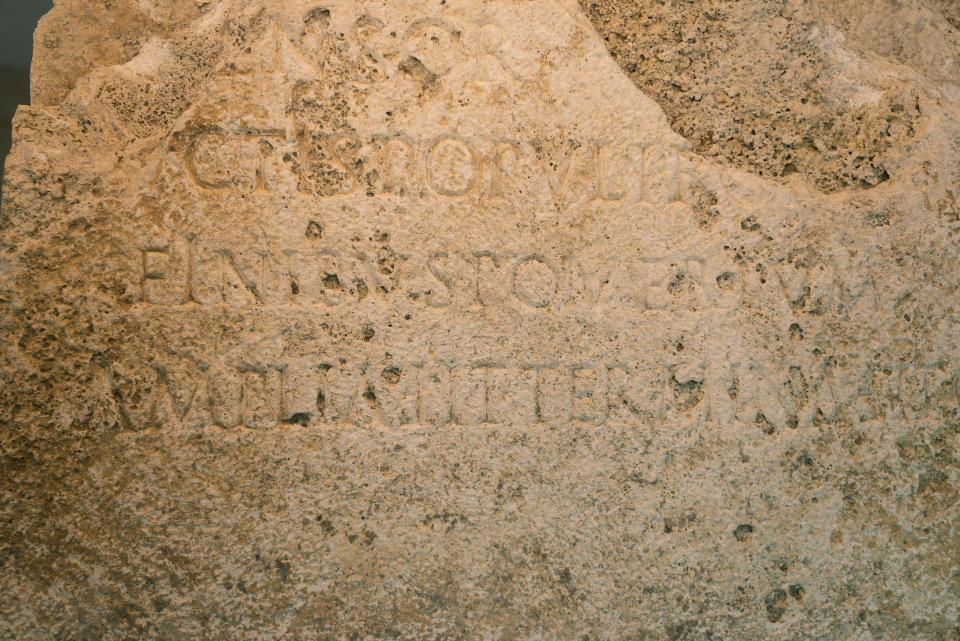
(418, 321)
(824, 92)
(78, 36)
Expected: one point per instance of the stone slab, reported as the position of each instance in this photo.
(418, 321)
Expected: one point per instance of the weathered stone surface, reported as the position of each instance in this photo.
(418, 321)
(825, 91)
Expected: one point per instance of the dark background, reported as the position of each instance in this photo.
(18, 19)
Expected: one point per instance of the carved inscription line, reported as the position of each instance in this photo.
(429, 48)
(308, 392)
(185, 271)
(326, 164)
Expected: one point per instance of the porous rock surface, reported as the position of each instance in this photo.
(420, 320)
(826, 91)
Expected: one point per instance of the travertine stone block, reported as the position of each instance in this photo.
(417, 320)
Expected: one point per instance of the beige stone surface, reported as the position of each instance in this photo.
(422, 320)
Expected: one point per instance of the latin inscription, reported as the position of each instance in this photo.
(328, 164)
(299, 149)
(296, 154)
(313, 391)
(186, 271)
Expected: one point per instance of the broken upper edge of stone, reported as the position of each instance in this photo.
(170, 46)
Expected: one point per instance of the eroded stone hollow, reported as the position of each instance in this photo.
(781, 88)
(355, 320)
